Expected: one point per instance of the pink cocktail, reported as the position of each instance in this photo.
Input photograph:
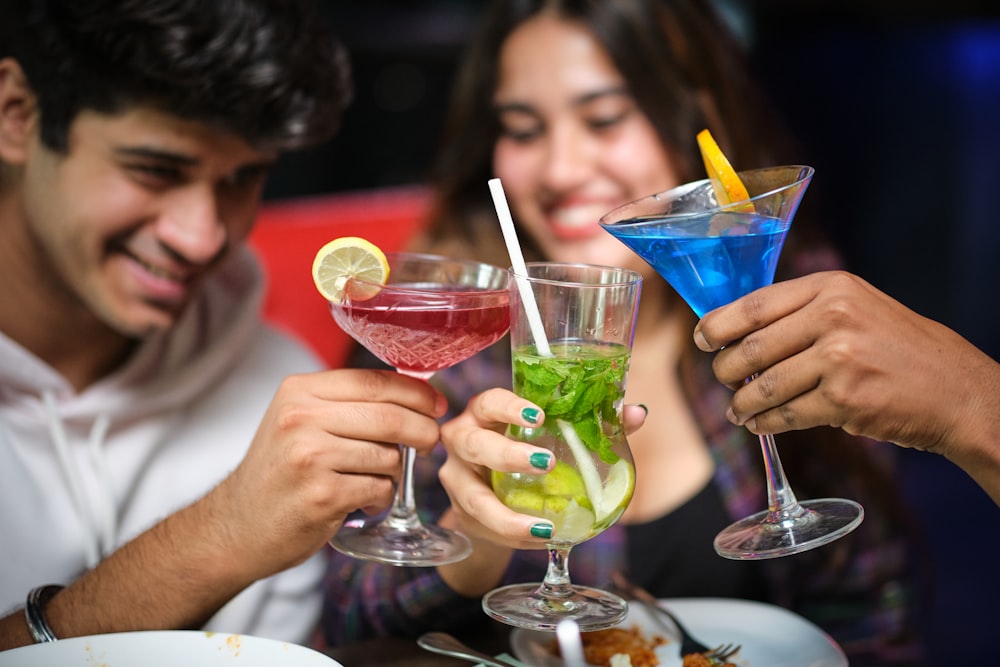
(419, 330)
(432, 313)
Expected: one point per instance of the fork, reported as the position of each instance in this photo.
(689, 644)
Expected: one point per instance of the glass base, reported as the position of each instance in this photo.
(523, 606)
(811, 524)
(420, 546)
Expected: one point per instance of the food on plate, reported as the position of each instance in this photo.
(600, 646)
(699, 660)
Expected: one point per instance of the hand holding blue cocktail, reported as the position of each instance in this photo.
(714, 248)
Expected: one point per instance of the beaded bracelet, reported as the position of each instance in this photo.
(34, 612)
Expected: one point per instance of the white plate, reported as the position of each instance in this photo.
(770, 636)
(174, 648)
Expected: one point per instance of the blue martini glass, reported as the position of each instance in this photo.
(712, 254)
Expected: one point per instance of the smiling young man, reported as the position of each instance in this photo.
(165, 460)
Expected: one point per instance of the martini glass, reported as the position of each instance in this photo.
(713, 254)
(571, 342)
(432, 313)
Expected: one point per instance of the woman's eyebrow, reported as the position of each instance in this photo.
(516, 107)
(582, 100)
(617, 91)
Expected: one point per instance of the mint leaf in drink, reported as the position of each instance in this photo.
(580, 385)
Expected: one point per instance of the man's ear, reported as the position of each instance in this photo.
(18, 112)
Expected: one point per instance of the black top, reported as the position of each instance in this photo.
(657, 562)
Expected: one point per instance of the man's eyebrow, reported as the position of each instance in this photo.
(151, 153)
(183, 160)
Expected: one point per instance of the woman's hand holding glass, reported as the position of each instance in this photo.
(476, 444)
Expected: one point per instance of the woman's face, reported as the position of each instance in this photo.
(573, 143)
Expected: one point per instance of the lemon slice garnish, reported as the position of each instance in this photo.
(727, 184)
(349, 257)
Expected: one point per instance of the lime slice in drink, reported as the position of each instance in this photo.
(618, 488)
(524, 501)
(563, 480)
(572, 522)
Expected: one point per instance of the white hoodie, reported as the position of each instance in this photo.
(81, 474)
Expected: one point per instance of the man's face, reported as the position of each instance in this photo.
(138, 211)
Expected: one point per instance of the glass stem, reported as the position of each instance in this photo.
(556, 584)
(781, 502)
(403, 515)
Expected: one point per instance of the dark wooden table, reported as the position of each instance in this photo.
(404, 652)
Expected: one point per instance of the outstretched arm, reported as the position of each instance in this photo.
(830, 349)
(325, 447)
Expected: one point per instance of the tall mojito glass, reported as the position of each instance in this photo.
(571, 339)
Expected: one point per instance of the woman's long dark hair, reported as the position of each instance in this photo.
(681, 63)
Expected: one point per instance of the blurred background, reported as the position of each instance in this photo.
(896, 104)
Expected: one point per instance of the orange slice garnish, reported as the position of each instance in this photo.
(727, 184)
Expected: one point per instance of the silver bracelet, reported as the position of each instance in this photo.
(34, 612)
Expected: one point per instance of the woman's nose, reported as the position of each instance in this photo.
(567, 160)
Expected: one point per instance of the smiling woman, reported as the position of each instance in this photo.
(579, 106)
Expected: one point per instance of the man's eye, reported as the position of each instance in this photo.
(245, 177)
(158, 173)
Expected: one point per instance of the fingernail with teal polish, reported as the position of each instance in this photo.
(541, 530)
(530, 415)
(540, 460)
(644, 408)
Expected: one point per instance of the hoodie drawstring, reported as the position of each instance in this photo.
(99, 540)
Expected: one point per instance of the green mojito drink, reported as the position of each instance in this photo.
(581, 389)
(571, 329)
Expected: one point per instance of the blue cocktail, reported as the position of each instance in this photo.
(710, 261)
(713, 254)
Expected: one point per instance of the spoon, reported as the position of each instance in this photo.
(445, 644)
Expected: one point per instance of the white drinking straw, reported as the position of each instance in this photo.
(591, 478)
(520, 270)
(570, 643)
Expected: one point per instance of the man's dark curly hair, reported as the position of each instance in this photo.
(269, 71)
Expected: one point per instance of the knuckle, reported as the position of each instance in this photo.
(476, 443)
(754, 309)
(766, 385)
(750, 350)
(374, 382)
(787, 415)
(384, 457)
(391, 421)
(290, 417)
(377, 491)
(842, 281)
(837, 352)
(302, 456)
(839, 395)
